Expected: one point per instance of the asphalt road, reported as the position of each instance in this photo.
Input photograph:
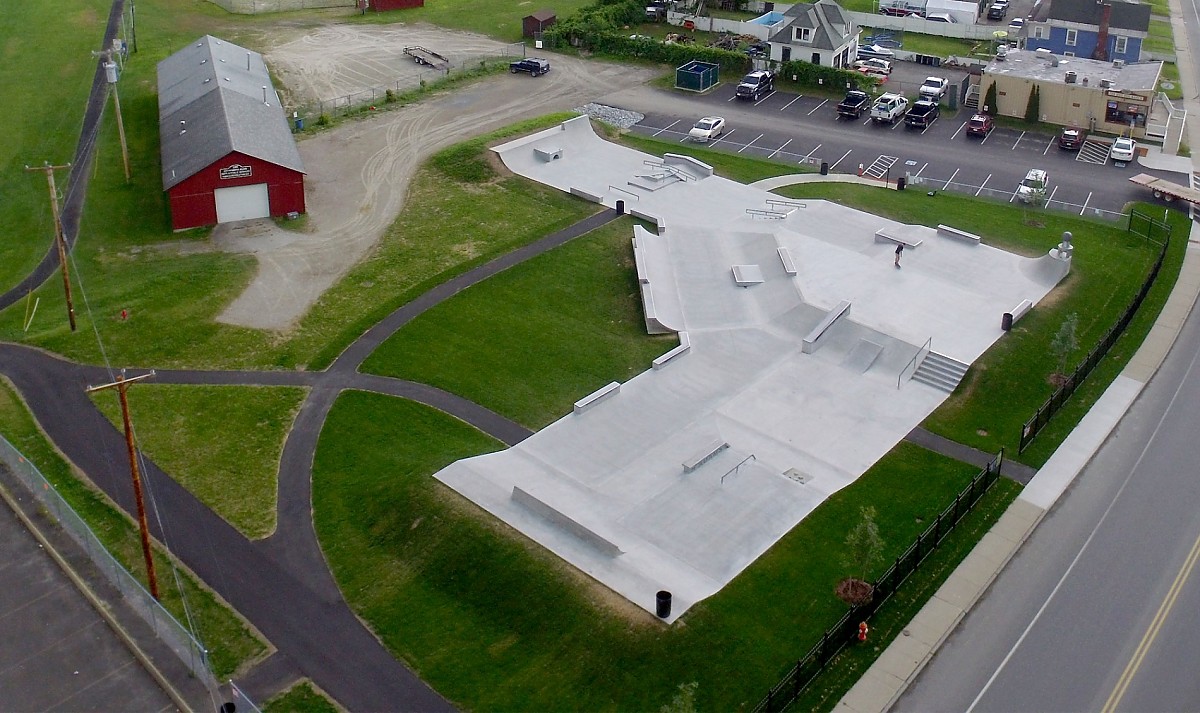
(804, 129)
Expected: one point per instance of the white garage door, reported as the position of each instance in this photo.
(242, 203)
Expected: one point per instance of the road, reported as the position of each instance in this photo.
(804, 129)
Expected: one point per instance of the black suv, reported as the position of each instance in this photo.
(533, 65)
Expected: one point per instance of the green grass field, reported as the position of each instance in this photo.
(302, 698)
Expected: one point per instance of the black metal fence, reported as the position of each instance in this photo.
(845, 630)
(1152, 229)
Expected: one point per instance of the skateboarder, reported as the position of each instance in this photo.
(899, 252)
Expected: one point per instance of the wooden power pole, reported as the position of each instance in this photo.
(59, 241)
(121, 383)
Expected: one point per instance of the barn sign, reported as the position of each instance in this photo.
(237, 170)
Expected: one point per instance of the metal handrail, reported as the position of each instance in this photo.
(925, 348)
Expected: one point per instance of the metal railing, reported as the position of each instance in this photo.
(844, 631)
(1010, 197)
(915, 362)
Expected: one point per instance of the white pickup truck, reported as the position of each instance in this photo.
(889, 108)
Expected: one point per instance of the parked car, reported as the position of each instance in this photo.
(1123, 149)
(874, 65)
(980, 125)
(756, 84)
(934, 88)
(922, 114)
(878, 51)
(1070, 138)
(855, 103)
(1032, 186)
(1015, 26)
(710, 127)
(899, 12)
(533, 65)
(997, 11)
(889, 108)
(940, 17)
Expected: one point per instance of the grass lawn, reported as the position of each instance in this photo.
(489, 619)
(301, 698)
(1170, 75)
(933, 45)
(727, 165)
(222, 443)
(1161, 38)
(229, 641)
(530, 341)
(1007, 384)
(501, 20)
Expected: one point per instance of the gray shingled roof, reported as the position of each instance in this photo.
(1125, 15)
(821, 17)
(211, 102)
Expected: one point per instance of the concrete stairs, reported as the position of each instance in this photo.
(972, 99)
(940, 372)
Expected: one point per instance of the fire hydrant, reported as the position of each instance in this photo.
(862, 630)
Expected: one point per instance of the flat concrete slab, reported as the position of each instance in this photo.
(799, 426)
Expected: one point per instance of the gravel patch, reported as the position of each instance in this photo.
(620, 118)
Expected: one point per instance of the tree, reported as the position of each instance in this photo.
(864, 548)
(989, 100)
(684, 701)
(1033, 108)
(1065, 342)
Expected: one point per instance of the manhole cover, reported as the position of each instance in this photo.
(1167, 85)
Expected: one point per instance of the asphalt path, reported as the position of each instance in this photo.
(805, 130)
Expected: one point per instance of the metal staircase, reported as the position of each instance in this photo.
(940, 372)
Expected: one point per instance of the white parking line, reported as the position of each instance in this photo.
(835, 163)
(808, 155)
(1013, 196)
(1051, 198)
(1085, 202)
(722, 137)
(928, 126)
(756, 138)
(918, 173)
(960, 128)
(785, 143)
(818, 107)
(1014, 146)
(768, 96)
(673, 123)
(985, 138)
(982, 185)
(950, 180)
(1048, 146)
(735, 96)
(798, 96)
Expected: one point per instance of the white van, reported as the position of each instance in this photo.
(940, 17)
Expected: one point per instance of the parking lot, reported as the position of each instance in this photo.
(805, 129)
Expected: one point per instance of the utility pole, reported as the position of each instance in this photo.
(59, 240)
(111, 75)
(121, 383)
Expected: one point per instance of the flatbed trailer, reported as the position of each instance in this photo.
(427, 57)
(1166, 190)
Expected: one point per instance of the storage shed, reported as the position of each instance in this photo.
(227, 151)
(538, 21)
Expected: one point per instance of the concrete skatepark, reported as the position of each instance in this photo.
(798, 343)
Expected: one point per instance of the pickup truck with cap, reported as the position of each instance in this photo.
(854, 104)
(889, 108)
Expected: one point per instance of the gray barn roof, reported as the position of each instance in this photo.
(1125, 15)
(211, 101)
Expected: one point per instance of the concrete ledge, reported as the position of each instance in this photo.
(566, 522)
(586, 195)
(785, 256)
(685, 346)
(639, 260)
(746, 275)
(949, 232)
(886, 236)
(658, 222)
(810, 341)
(597, 396)
(699, 168)
(548, 154)
(710, 451)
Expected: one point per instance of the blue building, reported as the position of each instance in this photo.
(1078, 28)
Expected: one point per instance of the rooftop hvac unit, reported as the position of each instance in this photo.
(1106, 83)
(1118, 63)
(1070, 78)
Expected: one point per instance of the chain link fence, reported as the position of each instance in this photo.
(166, 628)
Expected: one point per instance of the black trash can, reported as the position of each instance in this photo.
(1006, 322)
(662, 604)
(620, 207)
(824, 168)
(901, 182)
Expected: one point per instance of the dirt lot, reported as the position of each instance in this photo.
(358, 173)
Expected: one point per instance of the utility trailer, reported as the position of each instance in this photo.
(1166, 190)
(429, 58)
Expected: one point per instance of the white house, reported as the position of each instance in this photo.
(820, 32)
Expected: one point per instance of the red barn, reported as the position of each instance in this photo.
(227, 151)
(538, 21)
(381, 5)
